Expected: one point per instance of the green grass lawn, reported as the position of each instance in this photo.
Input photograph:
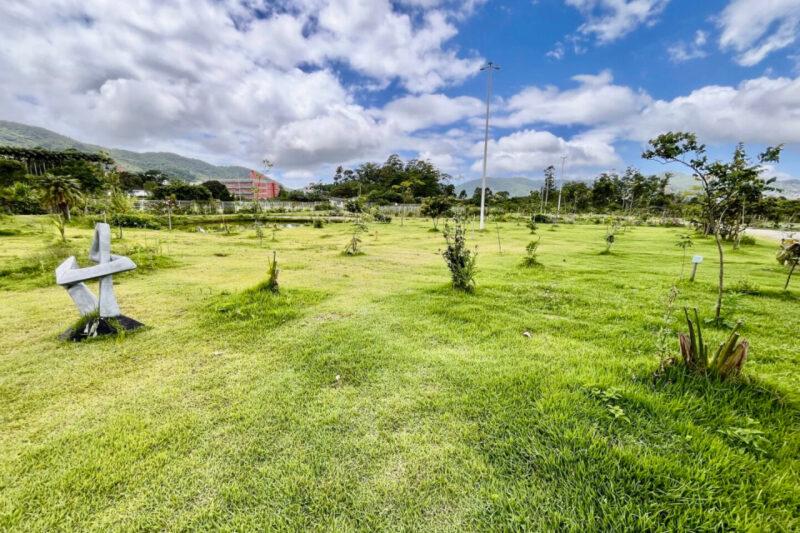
(227, 412)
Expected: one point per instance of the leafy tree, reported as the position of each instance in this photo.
(11, 172)
(89, 175)
(218, 190)
(436, 207)
(722, 183)
(578, 194)
(182, 191)
(130, 181)
(59, 193)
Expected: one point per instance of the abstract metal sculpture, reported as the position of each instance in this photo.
(70, 276)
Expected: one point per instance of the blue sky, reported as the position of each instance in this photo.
(311, 84)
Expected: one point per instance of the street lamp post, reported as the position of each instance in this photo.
(488, 67)
(561, 187)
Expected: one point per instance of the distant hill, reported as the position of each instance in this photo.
(789, 188)
(186, 168)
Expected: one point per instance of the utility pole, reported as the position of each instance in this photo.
(561, 187)
(488, 67)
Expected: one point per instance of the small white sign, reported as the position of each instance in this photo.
(697, 259)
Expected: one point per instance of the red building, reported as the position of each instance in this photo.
(263, 187)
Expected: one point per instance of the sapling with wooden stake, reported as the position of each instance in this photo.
(684, 242)
(723, 184)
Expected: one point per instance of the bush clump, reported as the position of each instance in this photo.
(460, 259)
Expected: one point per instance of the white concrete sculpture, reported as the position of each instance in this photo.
(70, 276)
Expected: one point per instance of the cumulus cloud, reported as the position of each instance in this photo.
(753, 29)
(596, 100)
(608, 20)
(683, 51)
(411, 113)
(532, 150)
(225, 79)
(761, 110)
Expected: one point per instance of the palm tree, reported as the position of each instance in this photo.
(60, 192)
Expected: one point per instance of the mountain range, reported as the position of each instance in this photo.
(186, 168)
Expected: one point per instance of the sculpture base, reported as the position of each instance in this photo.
(100, 327)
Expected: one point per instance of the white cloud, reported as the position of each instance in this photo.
(595, 101)
(528, 151)
(756, 28)
(213, 78)
(608, 20)
(761, 110)
(683, 51)
(411, 113)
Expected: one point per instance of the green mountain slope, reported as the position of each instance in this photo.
(16, 134)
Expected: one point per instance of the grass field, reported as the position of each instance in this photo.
(227, 412)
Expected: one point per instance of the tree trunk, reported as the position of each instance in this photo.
(789, 278)
(718, 238)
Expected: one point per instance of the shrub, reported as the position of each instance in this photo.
(460, 260)
(729, 358)
(128, 220)
(530, 259)
(323, 207)
(542, 218)
(318, 223)
(747, 240)
(379, 217)
(353, 247)
(271, 284)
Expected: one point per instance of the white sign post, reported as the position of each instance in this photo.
(696, 260)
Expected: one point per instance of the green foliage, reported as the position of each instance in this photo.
(318, 223)
(59, 193)
(89, 175)
(355, 206)
(271, 285)
(60, 224)
(459, 259)
(354, 245)
(726, 362)
(437, 207)
(182, 192)
(611, 399)
(21, 198)
(218, 190)
(11, 172)
(747, 240)
(530, 259)
(394, 181)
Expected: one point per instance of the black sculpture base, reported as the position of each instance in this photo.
(100, 327)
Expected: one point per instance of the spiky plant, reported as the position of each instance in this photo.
(727, 361)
